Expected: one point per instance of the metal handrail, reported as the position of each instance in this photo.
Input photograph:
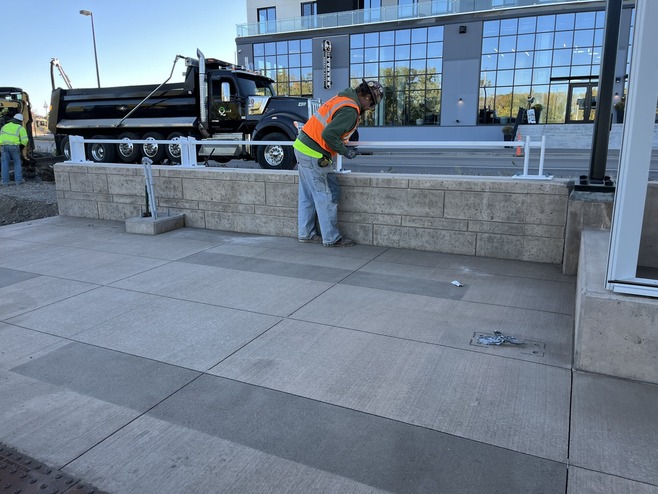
(188, 148)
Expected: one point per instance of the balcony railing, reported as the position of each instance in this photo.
(387, 14)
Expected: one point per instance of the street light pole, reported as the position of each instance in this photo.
(93, 34)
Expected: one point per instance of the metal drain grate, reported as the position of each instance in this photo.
(20, 474)
(529, 347)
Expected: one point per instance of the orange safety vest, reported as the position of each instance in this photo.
(321, 118)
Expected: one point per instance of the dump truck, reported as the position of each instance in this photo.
(216, 101)
(14, 100)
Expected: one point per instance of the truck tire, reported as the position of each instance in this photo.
(173, 151)
(276, 157)
(153, 151)
(66, 148)
(129, 152)
(101, 152)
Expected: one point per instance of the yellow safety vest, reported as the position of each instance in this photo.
(13, 134)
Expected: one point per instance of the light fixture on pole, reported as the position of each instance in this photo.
(93, 35)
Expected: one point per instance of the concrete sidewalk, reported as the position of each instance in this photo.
(199, 361)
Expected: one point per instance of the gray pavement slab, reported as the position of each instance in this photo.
(615, 427)
(351, 449)
(244, 290)
(494, 400)
(178, 332)
(583, 481)
(452, 323)
(203, 361)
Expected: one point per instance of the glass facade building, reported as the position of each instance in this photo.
(444, 69)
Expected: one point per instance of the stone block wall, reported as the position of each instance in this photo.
(480, 216)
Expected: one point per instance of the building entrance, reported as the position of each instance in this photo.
(581, 102)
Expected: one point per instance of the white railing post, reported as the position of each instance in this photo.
(526, 156)
(542, 153)
(77, 147)
(148, 179)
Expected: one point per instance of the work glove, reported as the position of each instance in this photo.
(351, 152)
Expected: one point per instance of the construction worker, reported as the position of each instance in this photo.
(12, 136)
(323, 137)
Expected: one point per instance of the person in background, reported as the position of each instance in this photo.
(12, 136)
(320, 140)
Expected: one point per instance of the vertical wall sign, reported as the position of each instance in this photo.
(326, 59)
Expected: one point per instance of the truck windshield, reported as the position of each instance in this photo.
(255, 87)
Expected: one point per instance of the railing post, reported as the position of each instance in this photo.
(526, 157)
(542, 153)
(77, 147)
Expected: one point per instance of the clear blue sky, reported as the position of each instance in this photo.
(136, 40)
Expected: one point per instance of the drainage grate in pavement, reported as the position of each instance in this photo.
(529, 347)
(20, 474)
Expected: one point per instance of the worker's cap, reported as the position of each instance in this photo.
(376, 90)
(18, 117)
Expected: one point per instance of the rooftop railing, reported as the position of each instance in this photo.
(387, 14)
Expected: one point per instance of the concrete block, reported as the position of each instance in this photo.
(393, 201)
(499, 246)
(485, 206)
(537, 249)
(425, 239)
(376, 219)
(547, 210)
(152, 226)
(615, 334)
(194, 218)
(171, 188)
(117, 212)
(126, 184)
(87, 182)
(230, 192)
(281, 194)
(77, 208)
(585, 210)
(495, 227)
(250, 223)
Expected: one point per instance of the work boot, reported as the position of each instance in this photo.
(315, 239)
(341, 242)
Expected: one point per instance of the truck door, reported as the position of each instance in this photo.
(226, 107)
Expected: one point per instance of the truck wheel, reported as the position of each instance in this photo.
(66, 148)
(276, 157)
(173, 150)
(101, 152)
(153, 150)
(127, 151)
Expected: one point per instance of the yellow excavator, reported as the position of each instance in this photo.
(14, 100)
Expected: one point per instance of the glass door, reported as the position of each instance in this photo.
(581, 102)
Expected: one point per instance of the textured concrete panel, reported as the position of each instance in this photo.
(113, 377)
(117, 212)
(251, 223)
(587, 482)
(614, 427)
(37, 292)
(126, 184)
(177, 457)
(451, 323)
(11, 276)
(499, 246)
(414, 383)
(21, 345)
(547, 210)
(255, 265)
(77, 208)
(278, 194)
(268, 294)
(346, 449)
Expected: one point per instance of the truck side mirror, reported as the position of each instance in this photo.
(226, 91)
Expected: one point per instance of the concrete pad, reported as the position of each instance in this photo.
(36, 292)
(587, 482)
(469, 264)
(500, 401)
(155, 226)
(21, 345)
(507, 290)
(614, 427)
(11, 276)
(270, 441)
(265, 266)
(445, 322)
(191, 335)
(52, 423)
(84, 265)
(268, 294)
